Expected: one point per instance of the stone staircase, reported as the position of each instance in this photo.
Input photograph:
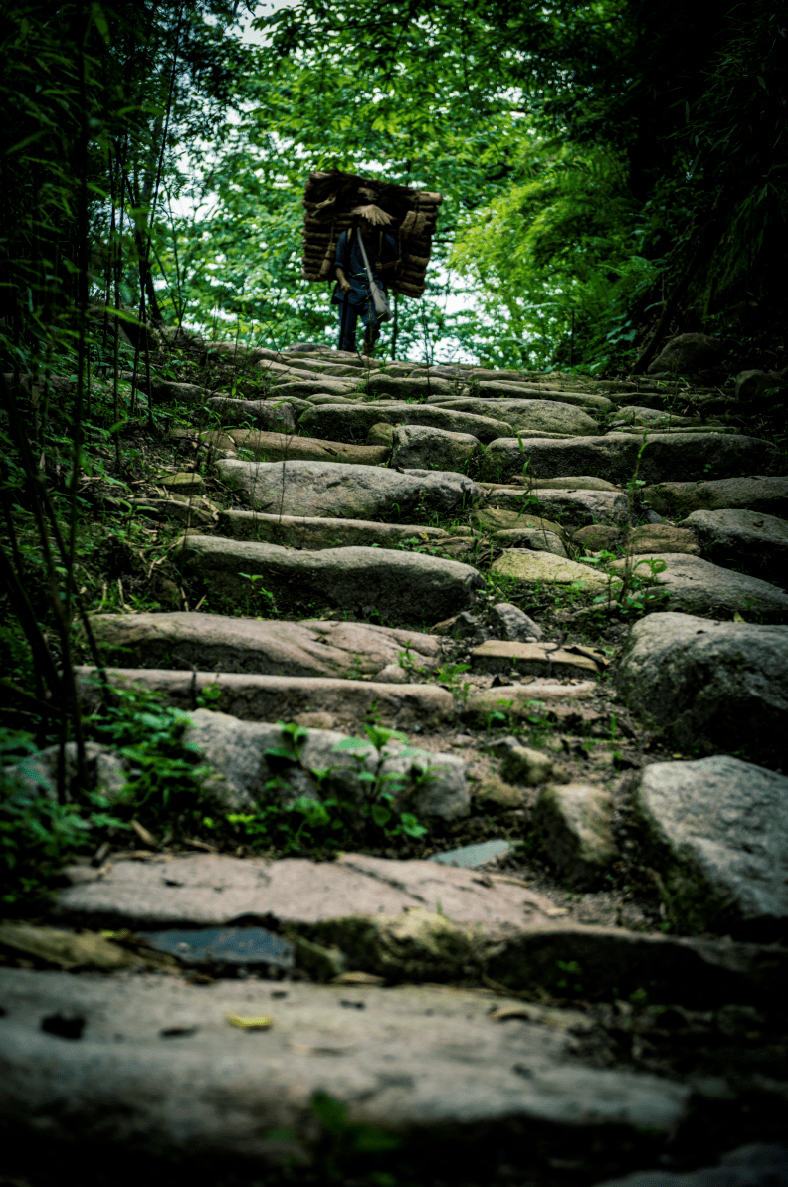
(375, 530)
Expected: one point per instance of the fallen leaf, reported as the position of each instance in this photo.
(258, 1022)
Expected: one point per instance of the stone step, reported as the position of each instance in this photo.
(493, 389)
(299, 531)
(274, 416)
(677, 499)
(340, 491)
(571, 508)
(304, 388)
(530, 416)
(414, 1067)
(308, 700)
(277, 447)
(696, 586)
(270, 647)
(667, 457)
(710, 684)
(352, 422)
(526, 569)
(402, 587)
(382, 914)
(416, 447)
(532, 659)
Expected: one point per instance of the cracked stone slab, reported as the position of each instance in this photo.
(402, 587)
(212, 891)
(270, 647)
(534, 659)
(307, 700)
(158, 1065)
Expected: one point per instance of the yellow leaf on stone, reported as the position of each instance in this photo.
(259, 1022)
(737, 617)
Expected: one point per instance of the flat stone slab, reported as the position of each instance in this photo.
(340, 491)
(533, 416)
(719, 831)
(496, 518)
(394, 387)
(677, 499)
(307, 700)
(537, 659)
(344, 422)
(209, 890)
(276, 417)
(277, 447)
(399, 586)
(287, 386)
(535, 538)
(530, 568)
(696, 586)
(661, 537)
(311, 531)
(747, 540)
(272, 647)
(668, 457)
(473, 857)
(496, 388)
(711, 684)
(160, 1061)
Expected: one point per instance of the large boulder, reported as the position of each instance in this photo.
(339, 491)
(747, 540)
(769, 496)
(214, 642)
(667, 457)
(352, 422)
(416, 447)
(686, 355)
(698, 587)
(400, 587)
(718, 829)
(710, 685)
(531, 416)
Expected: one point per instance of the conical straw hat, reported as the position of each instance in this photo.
(374, 215)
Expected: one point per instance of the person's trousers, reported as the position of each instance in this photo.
(351, 314)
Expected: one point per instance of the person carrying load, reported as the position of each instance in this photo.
(363, 256)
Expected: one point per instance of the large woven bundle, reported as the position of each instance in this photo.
(328, 201)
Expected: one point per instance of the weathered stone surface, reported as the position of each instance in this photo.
(579, 482)
(533, 416)
(274, 416)
(696, 586)
(163, 392)
(530, 568)
(496, 518)
(711, 684)
(310, 701)
(399, 388)
(277, 447)
(348, 422)
(718, 827)
(525, 766)
(336, 490)
(596, 536)
(209, 890)
(747, 540)
(570, 507)
(668, 457)
(661, 537)
(576, 834)
(381, 434)
(238, 751)
(178, 508)
(513, 624)
(309, 531)
(185, 483)
(536, 659)
(633, 414)
(416, 447)
(54, 947)
(473, 857)
(536, 539)
(414, 1060)
(503, 389)
(686, 354)
(756, 1165)
(677, 499)
(307, 387)
(399, 586)
(214, 642)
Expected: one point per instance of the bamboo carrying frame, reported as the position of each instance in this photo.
(328, 201)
